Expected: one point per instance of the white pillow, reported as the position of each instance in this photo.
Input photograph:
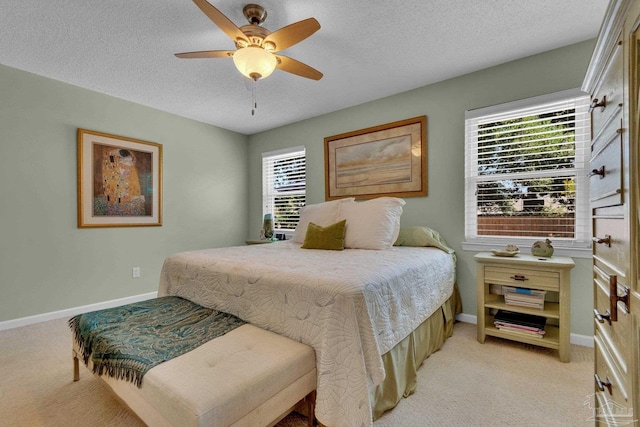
(373, 224)
(322, 214)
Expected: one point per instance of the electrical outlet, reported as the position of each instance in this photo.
(135, 272)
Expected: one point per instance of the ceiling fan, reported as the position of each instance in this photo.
(255, 56)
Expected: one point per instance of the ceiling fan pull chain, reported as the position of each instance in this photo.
(254, 102)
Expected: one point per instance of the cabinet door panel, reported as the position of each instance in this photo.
(606, 168)
(608, 92)
(613, 399)
(614, 334)
(613, 249)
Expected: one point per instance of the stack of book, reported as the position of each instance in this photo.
(519, 323)
(524, 297)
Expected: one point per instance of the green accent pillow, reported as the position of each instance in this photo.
(330, 237)
(421, 236)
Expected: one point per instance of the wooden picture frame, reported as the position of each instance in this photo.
(119, 181)
(385, 160)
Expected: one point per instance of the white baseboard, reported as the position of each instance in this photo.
(70, 312)
(583, 340)
(466, 318)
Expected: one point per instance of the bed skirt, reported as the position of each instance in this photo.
(401, 363)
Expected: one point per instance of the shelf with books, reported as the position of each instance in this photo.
(551, 338)
(551, 309)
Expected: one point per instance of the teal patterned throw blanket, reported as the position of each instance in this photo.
(125, 342)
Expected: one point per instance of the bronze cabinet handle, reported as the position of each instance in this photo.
(602, 317)
(603, 384)
(600, 172)
(601, 104)
(606, 240)
(614, 297)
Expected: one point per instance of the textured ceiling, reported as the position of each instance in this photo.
(367, 49)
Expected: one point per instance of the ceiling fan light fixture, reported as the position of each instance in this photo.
(256, 46)
(254, 62)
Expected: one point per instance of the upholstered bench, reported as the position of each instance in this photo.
(247, 377)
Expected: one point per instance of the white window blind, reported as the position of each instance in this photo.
(284, 186)
(526, 166)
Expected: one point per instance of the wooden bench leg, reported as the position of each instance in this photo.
(76, 367)
(310, 400)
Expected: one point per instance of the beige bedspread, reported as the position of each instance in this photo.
(351, 306)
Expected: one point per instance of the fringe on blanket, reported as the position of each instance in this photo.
(123, 369)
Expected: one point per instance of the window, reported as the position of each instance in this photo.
(526, 172)
(283, 186)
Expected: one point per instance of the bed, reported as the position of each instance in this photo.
(365, 310)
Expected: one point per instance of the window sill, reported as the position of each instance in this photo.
(558, 250)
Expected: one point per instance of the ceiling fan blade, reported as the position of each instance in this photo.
(220, 20)
(298, 68)
(291, 34)
(206, 54)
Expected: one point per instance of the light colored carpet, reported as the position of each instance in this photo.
(499, 383)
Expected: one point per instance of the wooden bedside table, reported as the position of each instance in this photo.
(526, 271)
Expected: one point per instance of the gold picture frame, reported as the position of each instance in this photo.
(385, 160)
(119, 181)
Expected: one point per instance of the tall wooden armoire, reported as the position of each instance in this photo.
(612, 81)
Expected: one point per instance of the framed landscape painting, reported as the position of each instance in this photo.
(385, 160)
(119, 181)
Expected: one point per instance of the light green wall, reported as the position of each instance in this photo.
(47, 263)
(444, 104)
